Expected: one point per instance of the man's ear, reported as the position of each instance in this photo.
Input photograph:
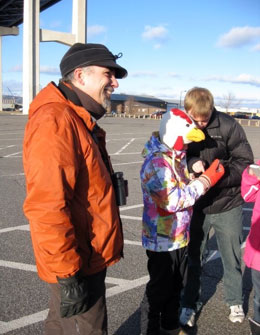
(78, 75)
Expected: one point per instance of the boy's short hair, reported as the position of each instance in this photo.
(199, 101)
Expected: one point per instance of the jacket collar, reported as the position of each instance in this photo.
(214, 120)
(81, 98)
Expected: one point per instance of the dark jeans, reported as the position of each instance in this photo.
(228, 232)
(256, 285)
(92, 322)
(160, 305)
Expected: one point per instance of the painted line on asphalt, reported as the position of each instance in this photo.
(126, 153)
(127, 286)
(124, 147)
(125, 138)
(130, 207)
(18, 266)
(122, 134)
(140, 162)
(136, 218)
(14, 154)
(24, 321)
(122, 285)
(12, 175)
(6, 147)
(7, 133)
(133, 242)
(23, 227)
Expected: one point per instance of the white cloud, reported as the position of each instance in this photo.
(43, 69)
(174, 75)
(243, 78)
(49, 70)
(256, 47)
(157, 34)
(239, 36)
(157, 46)
(143, 74)
(95, 30)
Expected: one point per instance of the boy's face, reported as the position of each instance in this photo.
(201, 122)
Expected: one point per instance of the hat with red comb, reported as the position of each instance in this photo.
(177, 129)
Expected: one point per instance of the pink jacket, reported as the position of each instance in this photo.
(250, 190)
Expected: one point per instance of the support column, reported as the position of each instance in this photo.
(3, 32)
(1, 84)
(32, 37)
(79, 21)
(31, 59)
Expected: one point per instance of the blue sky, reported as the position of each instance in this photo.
(168, 46)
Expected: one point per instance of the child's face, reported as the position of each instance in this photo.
(201, 122)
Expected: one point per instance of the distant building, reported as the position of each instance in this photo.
(11, 103)
(136, 105)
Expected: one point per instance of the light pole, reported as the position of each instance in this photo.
(181, 95)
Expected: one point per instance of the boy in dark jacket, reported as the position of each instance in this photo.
(221, 207)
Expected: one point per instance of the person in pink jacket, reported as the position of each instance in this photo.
(250, 190)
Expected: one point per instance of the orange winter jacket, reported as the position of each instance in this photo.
(70, 202)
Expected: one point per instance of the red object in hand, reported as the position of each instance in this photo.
(214, 172)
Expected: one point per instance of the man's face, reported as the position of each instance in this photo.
(201, 122)
(99, 83)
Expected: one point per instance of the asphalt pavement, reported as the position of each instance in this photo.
(24, 297)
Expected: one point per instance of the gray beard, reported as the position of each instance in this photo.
(106, 103)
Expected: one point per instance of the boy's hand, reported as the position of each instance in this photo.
(212, 175)
(198, 167)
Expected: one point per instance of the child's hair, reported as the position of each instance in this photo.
(199, 101)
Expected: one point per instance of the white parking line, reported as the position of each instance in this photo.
(122, 285)
(137, 218)
(125, 138)
(14, 154)
(24, 321)
(8, 146)
(125, 153)
(130, 207)
(133, 242)
(18, 266)
(124, 147)
(139, 162)
(3, 134)
(23, 227)
(12, 175)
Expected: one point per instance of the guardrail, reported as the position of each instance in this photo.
(243, 122)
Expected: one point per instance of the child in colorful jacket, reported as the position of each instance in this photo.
(168, 196)
(250, 190)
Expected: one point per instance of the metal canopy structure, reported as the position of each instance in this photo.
(11, 11)
(15, 12)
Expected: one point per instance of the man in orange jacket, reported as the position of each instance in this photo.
(71, 202)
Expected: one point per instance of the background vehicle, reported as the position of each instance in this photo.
(158, 114)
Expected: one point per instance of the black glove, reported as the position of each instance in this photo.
(74, 295)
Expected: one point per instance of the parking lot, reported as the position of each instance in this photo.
(23, 296)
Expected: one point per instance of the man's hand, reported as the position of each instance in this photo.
(212, 175)
(74, 295)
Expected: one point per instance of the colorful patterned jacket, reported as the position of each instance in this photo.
(168, 197)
